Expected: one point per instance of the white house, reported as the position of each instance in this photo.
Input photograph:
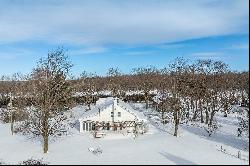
(112, 114)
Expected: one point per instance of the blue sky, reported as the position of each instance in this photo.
(124, 34)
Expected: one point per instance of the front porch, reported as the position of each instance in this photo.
(126, 126)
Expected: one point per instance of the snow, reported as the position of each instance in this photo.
(127, 107)
(192, 146)
(101, 104)
(139, 92)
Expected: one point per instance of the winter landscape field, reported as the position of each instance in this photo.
(158, 146)
(114, 82)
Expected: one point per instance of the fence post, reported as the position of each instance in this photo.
(239, 155)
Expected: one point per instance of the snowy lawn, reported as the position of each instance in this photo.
(155, 147)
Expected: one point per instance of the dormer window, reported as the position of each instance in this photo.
(112, 114)
(119, 114)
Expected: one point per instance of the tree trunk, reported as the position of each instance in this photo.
(212, 117)
(146, 99)
(113, 117)
(202, 120)
(207, 117)
(46, 132)
(195, 112)
(196, 105)
(188, 108)
(12, 124)
(176, 120)
(89, 106)
(200, 107)
(195, 115)
(45, 143)
(162, 116)
(192, 104)
(207, 113)
(146, 104)
(226, 109)
(12, 128)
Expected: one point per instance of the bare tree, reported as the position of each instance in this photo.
(11, 95)
(51, 96)
(88, 87)
(114, 84)
(178, 68)
(146, 76)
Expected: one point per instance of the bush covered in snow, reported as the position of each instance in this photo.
(2, 163)
(243, 128)
(33, 162)
(5, 115)
(210, 129)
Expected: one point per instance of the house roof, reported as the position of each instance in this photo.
(128, 108)
(103, 103)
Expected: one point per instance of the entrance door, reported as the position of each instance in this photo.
(83, 126)
(108, 126)
(87, 127)
(90, 126)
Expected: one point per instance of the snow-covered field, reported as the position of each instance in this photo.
(193, 146)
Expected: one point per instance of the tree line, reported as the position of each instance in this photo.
(187, 90)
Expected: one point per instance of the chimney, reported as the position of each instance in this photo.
(115, 101)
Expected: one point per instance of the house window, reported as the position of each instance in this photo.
(94, 127)
(119, 114)
(108, 126)
(83, 126)
(87, 127)
(112, 114)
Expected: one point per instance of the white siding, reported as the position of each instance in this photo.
(105, 114)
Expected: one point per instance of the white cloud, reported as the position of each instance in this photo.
(138, 53)
(88, 50)
(208, 55)
(4, 56)
(241, 46)
(10, 54)
(92, 22)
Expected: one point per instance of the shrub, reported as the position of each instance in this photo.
(2, 163)
(33, 162)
